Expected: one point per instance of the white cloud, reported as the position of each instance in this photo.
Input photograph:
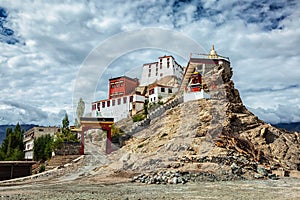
(261, 40)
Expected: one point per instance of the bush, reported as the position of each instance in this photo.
(116, 132)
(42, 168)
(138, 117)
(160, 103)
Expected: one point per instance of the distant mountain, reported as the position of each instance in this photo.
(295, 126)
(4, 127)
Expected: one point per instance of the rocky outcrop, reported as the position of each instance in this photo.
(217, 134)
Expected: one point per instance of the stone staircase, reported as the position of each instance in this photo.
(188, 72)
(57, 161)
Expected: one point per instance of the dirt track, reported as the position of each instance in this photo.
(286, 188)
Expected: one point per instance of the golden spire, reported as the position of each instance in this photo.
(213, 53)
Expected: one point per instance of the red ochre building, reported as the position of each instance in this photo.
(122, 100)
(121, 86)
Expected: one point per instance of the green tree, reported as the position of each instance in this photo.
(65, 125)
(43, 147)
(65, 135)
(12, 146)
(146, 104)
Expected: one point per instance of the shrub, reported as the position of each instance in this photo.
(138, 117)
(42, 168)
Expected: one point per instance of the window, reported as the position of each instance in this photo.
(113, 102)
(149, 70)
(160, 66)
(168, 64)
(170, 90)
(124, 99)
(117, 85)
(161, 74)
(160, 60)
(154, 98)
(121, 84)
(149, 66)
(103, 104)
(94, 107)
(131, 99)
(98, 106)
(119, 101)
(156, 74)
(149, 75)
(151, 91)
(112, 85)
(108, 103)
(162, 89)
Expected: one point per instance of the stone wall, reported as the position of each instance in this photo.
(69, 148)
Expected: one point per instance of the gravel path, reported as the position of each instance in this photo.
(286, 188)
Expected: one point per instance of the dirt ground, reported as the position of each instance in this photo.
(83, 180)
(285, 188)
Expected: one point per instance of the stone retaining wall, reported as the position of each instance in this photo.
(69, 148)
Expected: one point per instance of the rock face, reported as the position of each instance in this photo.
(214, 135)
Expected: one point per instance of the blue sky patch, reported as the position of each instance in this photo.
(6, 34)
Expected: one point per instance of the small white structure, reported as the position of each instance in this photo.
(159, 92)
(34, 133)
(166, 66)
(190, 96)
(118, 108)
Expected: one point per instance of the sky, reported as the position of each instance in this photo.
(50, 50)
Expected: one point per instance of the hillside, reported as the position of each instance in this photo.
(293, 126)
(218, 136)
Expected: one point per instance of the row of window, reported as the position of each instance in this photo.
(113, 102)
(116, 94)
(116, 85)
(160, 64)
(161, 90)
(156, 74)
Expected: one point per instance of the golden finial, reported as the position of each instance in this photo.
(213, 53)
